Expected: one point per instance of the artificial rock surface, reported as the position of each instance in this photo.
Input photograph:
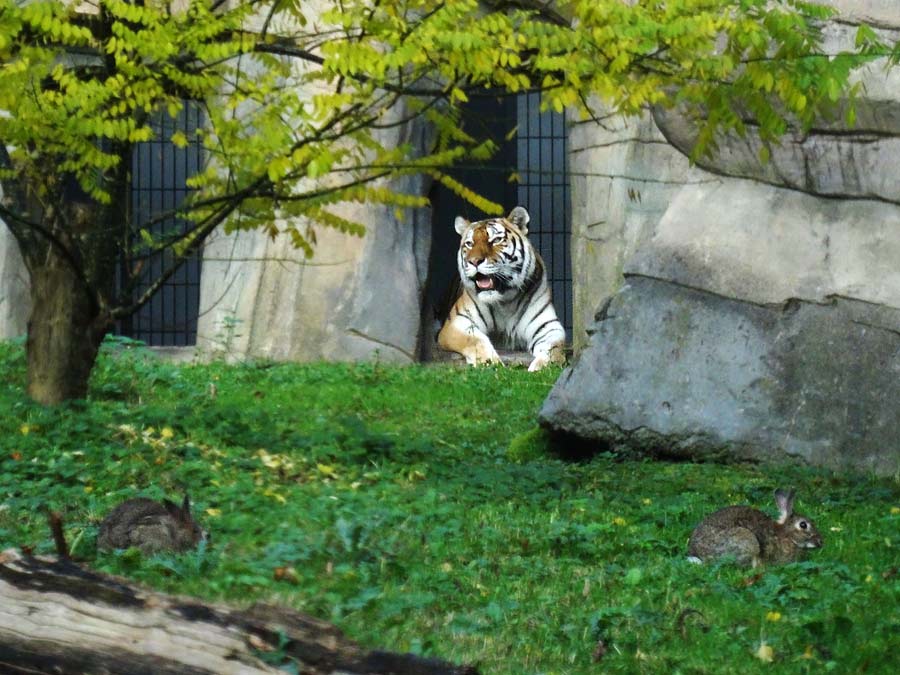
(677, 372)
(742, 309)
(15, 301)
(358, 298)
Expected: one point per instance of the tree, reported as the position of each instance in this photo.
(295, 102)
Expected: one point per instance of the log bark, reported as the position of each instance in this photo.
(59, 617)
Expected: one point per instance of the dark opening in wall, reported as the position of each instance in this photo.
(530, 170)
(159, 183)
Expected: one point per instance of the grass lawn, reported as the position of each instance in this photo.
(389, 501)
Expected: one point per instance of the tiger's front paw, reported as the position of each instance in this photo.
(482, 355)
(540, 361)
(543, 359)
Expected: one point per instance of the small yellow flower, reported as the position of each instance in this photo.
(808, 652)
(619, 520)
(447, 567)
(646, 501)
(89, 488)
(214, 512)
(166, 432)
(25, 429)
(868, 578)
(765, 653)
(895, 510)
(773, 616)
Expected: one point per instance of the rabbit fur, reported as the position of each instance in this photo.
(752, 537)
(150, 526)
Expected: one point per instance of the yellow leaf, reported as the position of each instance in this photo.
(271, 493)
(214, 512)
(179, 140)
(270, 461)
(25, 429)
(457, 94)
(326, 469)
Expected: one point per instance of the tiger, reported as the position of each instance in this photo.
(504, 294)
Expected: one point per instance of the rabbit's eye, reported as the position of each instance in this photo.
(803, 525)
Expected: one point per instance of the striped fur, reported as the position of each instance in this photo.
(504, 295)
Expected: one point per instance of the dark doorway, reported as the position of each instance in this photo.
(529, 169)
(159, 183)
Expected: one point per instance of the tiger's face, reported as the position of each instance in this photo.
(493, 254)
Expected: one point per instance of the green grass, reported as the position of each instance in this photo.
(418, 509)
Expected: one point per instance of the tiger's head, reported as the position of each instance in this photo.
(494, 255)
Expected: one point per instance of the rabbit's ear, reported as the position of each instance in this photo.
(784, 500)
(186, 505)
(171, 507)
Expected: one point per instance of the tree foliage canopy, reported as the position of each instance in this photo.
(296, 91)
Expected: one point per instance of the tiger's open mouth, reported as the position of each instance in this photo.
(483, 282)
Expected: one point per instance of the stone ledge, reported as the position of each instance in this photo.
(509, 358)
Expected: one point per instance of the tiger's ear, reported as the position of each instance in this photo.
(460, 224)
(520, 218)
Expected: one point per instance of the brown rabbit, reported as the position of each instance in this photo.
(150, 526)
(752, 537)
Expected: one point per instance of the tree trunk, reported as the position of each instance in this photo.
(65, 330)
(57, 617)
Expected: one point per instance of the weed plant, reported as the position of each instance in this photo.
(418, 509)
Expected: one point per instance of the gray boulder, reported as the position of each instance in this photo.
(677, 372)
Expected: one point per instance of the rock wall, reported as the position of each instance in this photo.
(757, 313)
(358, 298)
(15, 302)
(623, 175)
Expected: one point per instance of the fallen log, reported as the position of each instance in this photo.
(59, 617)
